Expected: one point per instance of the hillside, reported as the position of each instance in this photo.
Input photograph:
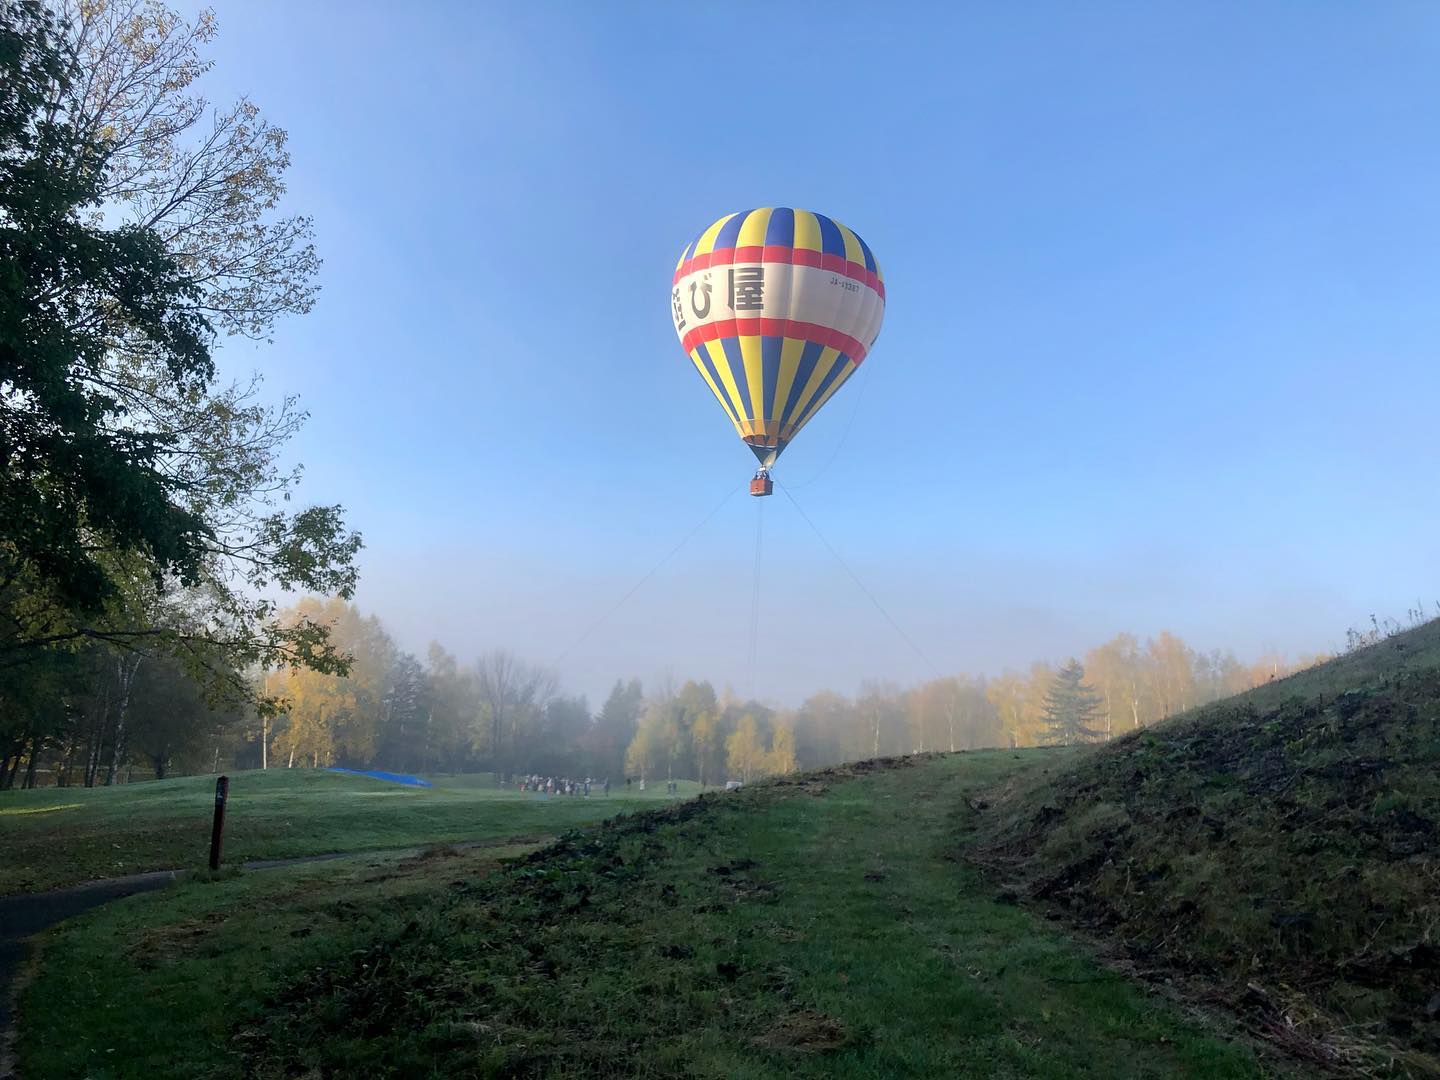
(1276, 852)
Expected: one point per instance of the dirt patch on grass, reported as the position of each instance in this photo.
(805, 1032)
(162, 945)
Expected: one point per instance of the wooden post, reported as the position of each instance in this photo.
(222, 792)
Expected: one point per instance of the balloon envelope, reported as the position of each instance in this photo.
(776, 308)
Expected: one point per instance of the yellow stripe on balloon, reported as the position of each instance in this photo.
(829, 390)
(853, 251)
(754, 373)
(807, 232)
(752, 230)
(705, 374)
(790, 353)
(823, 365)
(706, 243)
(721, 361)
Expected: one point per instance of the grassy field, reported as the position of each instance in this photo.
(60, 836)
(824, 927)
(1279, 852)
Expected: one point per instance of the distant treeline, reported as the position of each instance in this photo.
(104, 714)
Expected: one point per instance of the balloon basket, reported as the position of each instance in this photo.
(761, 484)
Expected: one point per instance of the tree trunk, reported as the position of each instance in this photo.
(7, 779)
(95, 741)
(30, 765)
(62, 778)
(125, 668)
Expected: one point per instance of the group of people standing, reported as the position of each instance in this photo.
(561, 785)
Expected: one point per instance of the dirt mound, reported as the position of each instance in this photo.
(1280, 853)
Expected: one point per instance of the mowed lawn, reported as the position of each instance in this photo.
(825, 926)
(52, 837)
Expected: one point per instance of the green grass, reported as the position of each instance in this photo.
(154, 985)
(826, 926)
(1279, 851)
(60, 836)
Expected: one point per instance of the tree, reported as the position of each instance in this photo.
(405, 736)
(512, 694)
(330, 717)
(614, 728)
(745, 750)
(555, 745)
(173, 721)
(879, 720)
(694, 700)
(1117, 670)
(132, 234)
(1172, 670)
(652, 748)
(951, 714)
(820, 727)
(1019, 701)
(452, 710)
(206, 182)
(707, 746)
(1072, 708)
(782, 750)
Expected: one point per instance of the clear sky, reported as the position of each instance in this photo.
(1160, 349)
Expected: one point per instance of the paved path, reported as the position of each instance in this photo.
(25, 914)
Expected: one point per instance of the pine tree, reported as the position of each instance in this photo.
(1072, 708)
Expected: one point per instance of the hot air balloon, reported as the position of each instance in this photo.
(776, 308)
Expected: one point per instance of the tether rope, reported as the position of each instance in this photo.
(860, 584)
(754, 653)
(644, 578)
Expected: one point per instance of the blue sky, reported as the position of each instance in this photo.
(1160, 349)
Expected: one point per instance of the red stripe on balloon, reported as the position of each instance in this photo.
(790, 328)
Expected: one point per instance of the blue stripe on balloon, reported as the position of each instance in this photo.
(832, 243)
(841, 365)
(703, 349)
(808, 358)
(869, 255)
(728, 233)
(781, 230)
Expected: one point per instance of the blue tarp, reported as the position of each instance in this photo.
(392, 777)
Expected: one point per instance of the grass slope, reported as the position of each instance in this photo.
(1279, 850)
(60, 836)
(814, 927)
